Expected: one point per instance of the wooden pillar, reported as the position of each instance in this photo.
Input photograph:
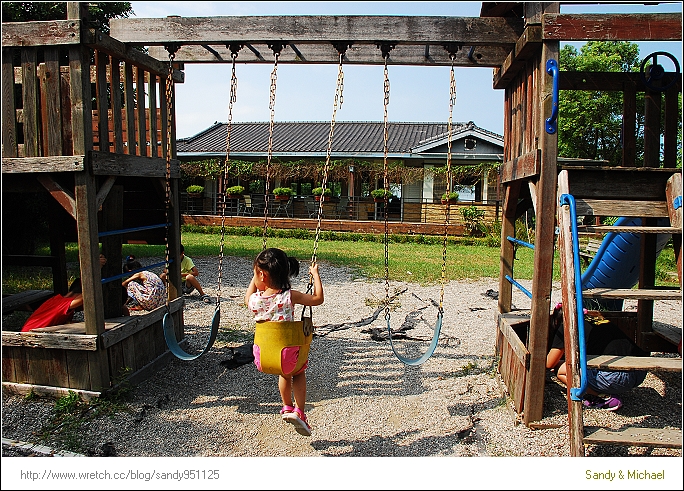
(629, 125)
(570, 326)
(86, 209)
(112, 218)
(652, 103)
(544, 241)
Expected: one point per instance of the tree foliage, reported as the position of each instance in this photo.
(100, 12)
(590, 122)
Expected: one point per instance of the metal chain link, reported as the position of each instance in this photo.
(449, 177)
(336, 105)
(271, 106)
(386, 87)
(231, 101)
(169, 121)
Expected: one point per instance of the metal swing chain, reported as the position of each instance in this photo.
(231, 101)
(271, 106)
(447, 210)
(169, 121)
(336, 105)
(386, 186)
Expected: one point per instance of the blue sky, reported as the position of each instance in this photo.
(305, 93)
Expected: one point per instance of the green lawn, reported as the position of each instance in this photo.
(418, 262)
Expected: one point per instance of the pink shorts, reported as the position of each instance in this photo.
(288, 359)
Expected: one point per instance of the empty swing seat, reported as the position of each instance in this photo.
(271, 340)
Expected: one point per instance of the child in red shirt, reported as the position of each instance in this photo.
(56, 310)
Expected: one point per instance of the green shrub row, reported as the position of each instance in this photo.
(490, 240)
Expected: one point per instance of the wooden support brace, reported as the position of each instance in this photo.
(60, 194)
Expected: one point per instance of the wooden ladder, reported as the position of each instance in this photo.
(632, 192)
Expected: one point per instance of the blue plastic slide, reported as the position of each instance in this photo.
(616, 264)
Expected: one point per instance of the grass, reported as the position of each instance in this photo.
(411, 258)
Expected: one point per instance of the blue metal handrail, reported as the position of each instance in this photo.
(577, 393)
(509, 278)
(133, 229)
(521, 242)
(129, 273)
(552, 121)
(522, 288)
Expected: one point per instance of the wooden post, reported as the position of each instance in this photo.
(112, 217)
(9, 113)
(86, 211)
(570, 326)
(544, 240)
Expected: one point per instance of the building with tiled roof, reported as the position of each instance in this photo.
(414, 145)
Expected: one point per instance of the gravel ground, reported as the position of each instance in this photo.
(361, 401)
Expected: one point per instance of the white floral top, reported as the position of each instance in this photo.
(277, 307)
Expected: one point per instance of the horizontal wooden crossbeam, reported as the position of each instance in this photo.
(366, 54)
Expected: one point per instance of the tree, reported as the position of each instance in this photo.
(100, 12)
(590, 122)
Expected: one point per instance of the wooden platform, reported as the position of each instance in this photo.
(626, 363)
(638, 437)
(28, 300)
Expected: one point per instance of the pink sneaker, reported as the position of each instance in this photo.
(298, 419)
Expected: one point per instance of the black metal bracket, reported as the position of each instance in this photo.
(386, 48)
(342, 46)
(277, 47)
(452, 48)
(234, 48)
(172, 48)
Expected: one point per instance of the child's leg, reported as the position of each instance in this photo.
(299, 387)
(285, 387)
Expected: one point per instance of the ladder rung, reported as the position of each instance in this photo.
(637, 229)
(637, 437)
(626, 363)
(629, 293)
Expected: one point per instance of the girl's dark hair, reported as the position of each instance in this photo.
(131, 264)
(279, 266)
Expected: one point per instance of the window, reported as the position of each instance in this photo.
(470, 144)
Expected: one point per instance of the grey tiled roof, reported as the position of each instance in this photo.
(304, 137)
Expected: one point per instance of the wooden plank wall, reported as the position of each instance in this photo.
(38, 125)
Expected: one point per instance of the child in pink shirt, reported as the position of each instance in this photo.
(271, 298)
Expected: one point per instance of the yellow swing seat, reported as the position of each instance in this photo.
(272, 337)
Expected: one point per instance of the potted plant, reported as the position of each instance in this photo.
(450, 198)
(317, 192)
(235, 192)
(283, 194)
(380, 194)
(194, 191)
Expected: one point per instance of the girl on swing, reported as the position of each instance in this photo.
(271, 298)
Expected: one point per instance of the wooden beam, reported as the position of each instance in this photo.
(104, 191)
(492, 31)
(61, 195)
(525, 166)
(613, 208)
(525, 47)
(107, 44)
(365, 54)
(41, 33)
(111, 164)
(612, 27)
(69, 163)
(616, 81)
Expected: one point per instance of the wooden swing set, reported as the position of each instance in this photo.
(102, 156)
